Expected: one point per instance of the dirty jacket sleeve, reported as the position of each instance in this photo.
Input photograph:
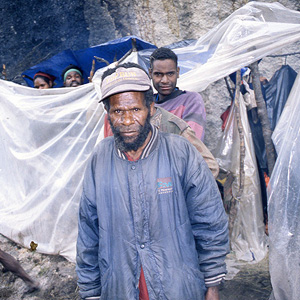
(167, 122)
(87, 265)
(208, 219)
(189, 134)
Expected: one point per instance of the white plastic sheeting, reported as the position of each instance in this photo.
(247, 238)
(250, 33)
(48, 135)
(46, 138)
(284, 202)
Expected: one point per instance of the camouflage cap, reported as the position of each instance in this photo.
(125, 80)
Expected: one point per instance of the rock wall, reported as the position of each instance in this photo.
(32, 31)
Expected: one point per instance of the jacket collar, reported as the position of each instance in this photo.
(173, 95)
(149, 147)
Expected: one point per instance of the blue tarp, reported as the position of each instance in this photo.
(110, 51)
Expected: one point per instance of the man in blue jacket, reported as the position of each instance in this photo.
(151, 220)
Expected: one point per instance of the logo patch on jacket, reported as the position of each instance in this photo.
(164, 185)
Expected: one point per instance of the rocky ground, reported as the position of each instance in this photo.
(57, 279)
(54, 274)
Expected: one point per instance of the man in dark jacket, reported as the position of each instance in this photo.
(151, 220)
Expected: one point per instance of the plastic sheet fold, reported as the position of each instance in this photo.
(247, 230)
(249, 34)
(284, 202)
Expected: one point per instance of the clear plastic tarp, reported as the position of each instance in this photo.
(247, 237)
(47, 136)
(284, 202)
(249, 34)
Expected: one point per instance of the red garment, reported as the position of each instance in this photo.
(107, 129)
(224, 117)
(50, 77)
(143, 287)
(142, 282)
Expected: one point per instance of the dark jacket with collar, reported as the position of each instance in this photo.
(163, 212)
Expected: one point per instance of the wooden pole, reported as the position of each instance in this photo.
(241, 133)
(4, 71)
(263, 117)
(92, 72)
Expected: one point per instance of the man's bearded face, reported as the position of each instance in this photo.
(129, 119)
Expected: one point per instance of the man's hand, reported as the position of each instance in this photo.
(212, 293)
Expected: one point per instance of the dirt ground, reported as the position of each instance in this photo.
(57, 279)
(252, 282)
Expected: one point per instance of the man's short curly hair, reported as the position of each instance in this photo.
(162, 54)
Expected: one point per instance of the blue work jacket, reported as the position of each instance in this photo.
(162, 212)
